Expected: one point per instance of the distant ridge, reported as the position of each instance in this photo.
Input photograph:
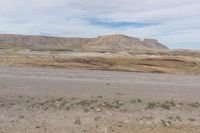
(108, 42)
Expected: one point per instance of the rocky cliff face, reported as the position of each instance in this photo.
(153, 44)
(40, 40)
(108, 42)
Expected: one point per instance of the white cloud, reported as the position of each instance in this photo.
(178, 20)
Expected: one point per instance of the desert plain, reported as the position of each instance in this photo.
(75, 101)
(68, 89)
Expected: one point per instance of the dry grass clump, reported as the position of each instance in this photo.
(194, 105)
(167, 105)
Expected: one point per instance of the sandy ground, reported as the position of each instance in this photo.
(41, 100)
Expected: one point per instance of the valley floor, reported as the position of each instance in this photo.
(45, 100)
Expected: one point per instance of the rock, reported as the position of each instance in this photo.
(77, 121)
(120, 124)
(126, 121)
(98, 110)
(166, 123)
(37, 126)
(153, 44)
(120, 102)
(178, 105)
(148, 122)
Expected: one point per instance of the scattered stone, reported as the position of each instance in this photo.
(120, 102)
(37, 127)
(178, 106)
(98, 110)
(140, 121)
(191, 119)
(126, 121)
(120, 124)
(77, 121)
(166, 123)
(97, 118)
(86, 110)
(148, 122)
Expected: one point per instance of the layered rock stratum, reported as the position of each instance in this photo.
(107, 42)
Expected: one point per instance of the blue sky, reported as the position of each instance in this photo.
(106, 23)
(175, 23)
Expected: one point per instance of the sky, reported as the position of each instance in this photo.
(175, 23)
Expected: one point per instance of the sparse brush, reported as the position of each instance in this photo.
(77, 121)
(60, 99)
(166, 123)
(166, 105)
(68, 108)
(133, 101)
(136, 101)
(194, 105)
(86, 110)
(148, 117)
(151, 105)
(1, 105)
(86, 102)
(97, 118)
(99, 97)
(139, 100)
(172, 103)
(176, 118)
(108, 105)
(191, 119)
